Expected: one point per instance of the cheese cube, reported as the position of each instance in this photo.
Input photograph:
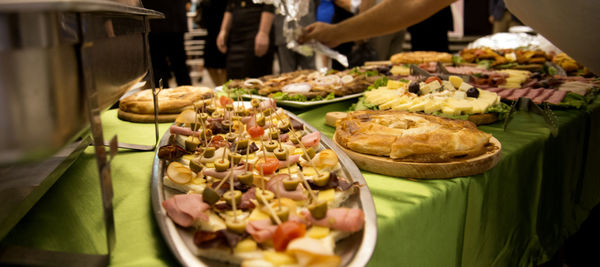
(400, 70)
(431, 87)
(391, 84)
(258, 215)
(317, 232)
(464, 87)
(455, 80)
(460, 95)
(246, 245)
(326, 195)
(448, 86)
(433, 106)
(279, 258)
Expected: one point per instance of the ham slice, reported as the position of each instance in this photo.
(543, 96)
(174, 129)
(220, 175)
(533, 93)
(342, 219)
(311, 139)
(291, 160)
(518, 93)
(556, 97)
(269, 103)
(185, 209)
(506, 93)
(261, 230)
(275, 185)
(246, 202)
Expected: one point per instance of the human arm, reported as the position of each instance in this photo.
(223, 33)
(387, 17)
(261, 41)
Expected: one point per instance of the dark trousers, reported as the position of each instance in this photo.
(168, 55)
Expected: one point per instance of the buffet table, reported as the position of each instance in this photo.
(518, 213)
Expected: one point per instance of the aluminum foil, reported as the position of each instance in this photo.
(512, 40)
(293, 10)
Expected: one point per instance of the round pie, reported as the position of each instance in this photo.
(170, 101)
(419, 57)
(410, 137)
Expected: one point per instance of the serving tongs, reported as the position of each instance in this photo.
(525, 104)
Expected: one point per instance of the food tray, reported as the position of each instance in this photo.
(354, 250)
(298, 104)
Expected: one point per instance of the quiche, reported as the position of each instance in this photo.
(418, 57)
(171, 101)
(410, 137)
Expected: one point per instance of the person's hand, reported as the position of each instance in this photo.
(261, 44)
(321, 32)
(491, 19)
(222, 42)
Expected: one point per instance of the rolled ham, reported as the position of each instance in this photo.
(269, 103)
(311, 139)
(290, 160)
(249, 195)
(174, 129)
(261, 230)
(220, 175)
(185, 209)
(275, 185)
(556, 97)
(342, 219)
(518, 93)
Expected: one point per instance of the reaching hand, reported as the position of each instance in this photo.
(222, 42)
(261, 44)
(321, 32)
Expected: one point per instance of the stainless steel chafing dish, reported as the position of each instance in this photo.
(42, 46)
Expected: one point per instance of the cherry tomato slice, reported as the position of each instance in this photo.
(286, 232)
(268, 167)
(256, 131)
(223, 100)
(433, 78)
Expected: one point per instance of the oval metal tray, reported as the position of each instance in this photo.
(354, 250)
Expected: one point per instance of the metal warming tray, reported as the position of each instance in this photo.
(42, 46)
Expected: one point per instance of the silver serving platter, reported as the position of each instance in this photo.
(354, 250)
(298, 104)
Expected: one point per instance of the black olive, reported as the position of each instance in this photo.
(414, 88)
(473, 92)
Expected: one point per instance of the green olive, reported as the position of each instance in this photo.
(291, 183)
(230, 137)
(255, 102)
(195, 126)
(242, 143)
(295, 140)
(195, 166)
(322, 179)
(237, 226)
(207, 133)
(221, 165)
(230, 196)
(267, 112)
(211, 109)
(264, 194)
(210, 196)
(226, 124)
(271, 145)
(282, 212)
(284, 125)
(229, 107)
(243, 112)
(246, 178)
(217, 114)
(260, 120)
(191, 143)
(203, 116)
(275, 134)
(235, 158)
(209, 152)
(318, 209)
(281, 153)
(310, 153)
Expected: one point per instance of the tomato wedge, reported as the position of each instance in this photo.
(287, 232)
(223, 100)
(256, 131)
(268, 167)
(433, 78)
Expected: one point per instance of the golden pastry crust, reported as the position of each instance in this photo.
(418, 57)
(170, 101)
(410, 137)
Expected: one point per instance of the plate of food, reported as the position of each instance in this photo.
(416, 145)
(305, 88)
(252, 184)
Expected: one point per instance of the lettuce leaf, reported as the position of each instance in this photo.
(362, 104)
(501, 109)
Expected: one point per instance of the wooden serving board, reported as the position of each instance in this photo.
(445, 170)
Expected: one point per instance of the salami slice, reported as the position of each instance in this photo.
(533, 93)
(543, 96)
(506, 93)
(495, 89)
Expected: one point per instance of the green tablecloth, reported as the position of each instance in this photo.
(518, 213)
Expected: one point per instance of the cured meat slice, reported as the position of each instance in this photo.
(506, 93)
(533, 93)
(556, 97)
(518, 93)
(495, 89)
(261, 230)
(543, 96)
(342, 219)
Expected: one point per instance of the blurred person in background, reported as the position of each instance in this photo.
(432, 33)
(289, 60)
(386, 45)
(247, 39)
(343, 9)
(500, 17)
(167, 50)
(214, 61)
